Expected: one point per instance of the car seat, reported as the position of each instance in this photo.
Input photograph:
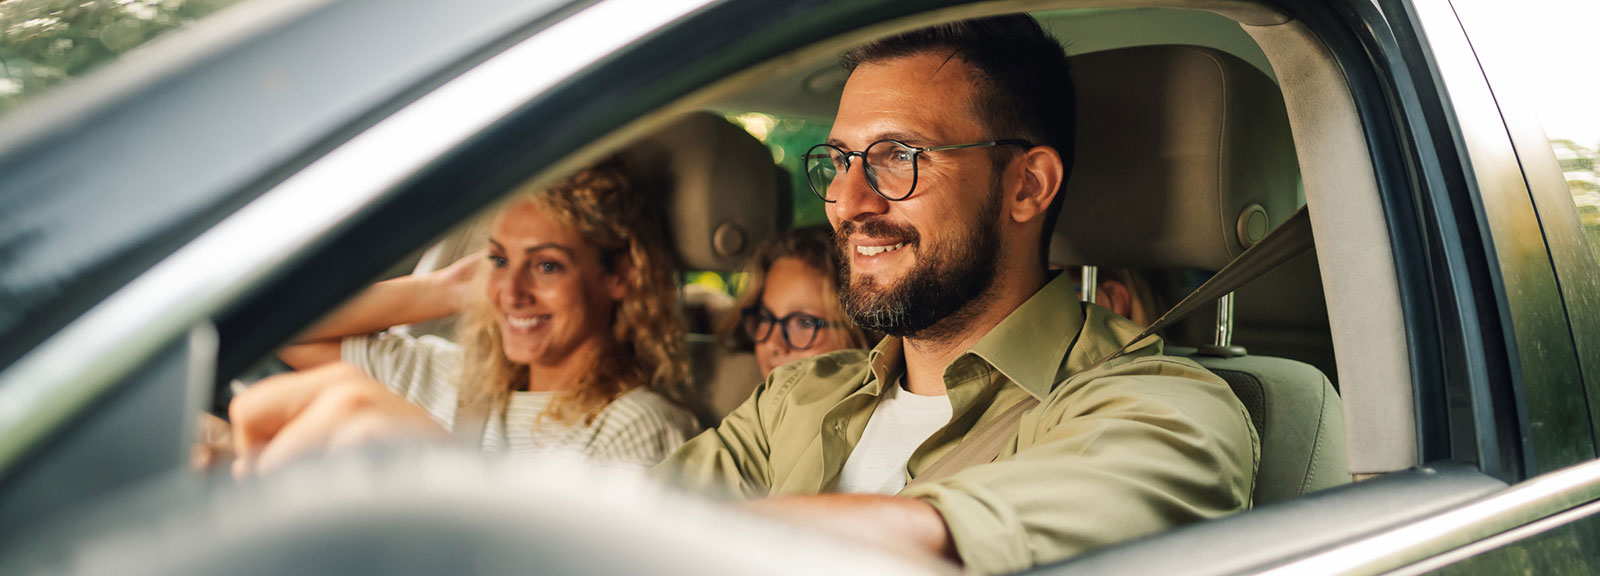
(1184, 159)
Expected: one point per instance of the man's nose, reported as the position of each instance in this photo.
(853, 198)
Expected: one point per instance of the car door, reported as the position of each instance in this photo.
(1491, 258)
(1551, 123)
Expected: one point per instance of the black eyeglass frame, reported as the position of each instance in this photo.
(871, 176)
(782, 324)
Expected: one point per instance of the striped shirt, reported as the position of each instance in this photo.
(640, 427)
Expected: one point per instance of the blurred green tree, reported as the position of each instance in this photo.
(44, 43)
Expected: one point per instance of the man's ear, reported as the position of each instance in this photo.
(1117, 297)
(1038, 184)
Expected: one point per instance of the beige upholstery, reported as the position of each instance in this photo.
(1176, 144)
(726, 194)
(727, 377)
(1178, 147)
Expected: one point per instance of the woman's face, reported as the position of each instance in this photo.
(550, 290)
(793, 286)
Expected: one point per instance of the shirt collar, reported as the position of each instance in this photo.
(1031, 345)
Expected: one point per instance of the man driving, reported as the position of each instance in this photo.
(995, 426)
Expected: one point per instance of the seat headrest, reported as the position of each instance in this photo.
(725, 194)
(1184, 159)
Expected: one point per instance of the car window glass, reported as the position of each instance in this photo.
(1553, 44)
(45, 43)
(789, 138)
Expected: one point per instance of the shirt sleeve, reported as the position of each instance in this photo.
(642, 432)
(423, 370)
(1120, 457)
(733, 459)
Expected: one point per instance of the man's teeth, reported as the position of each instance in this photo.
(525, 321)
(875, 250)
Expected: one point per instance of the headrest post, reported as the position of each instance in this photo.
(1089, 282)
(1224, 321)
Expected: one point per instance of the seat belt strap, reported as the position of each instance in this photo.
(470, 421)
(1284, 243)
(983, 444)
(980, 446)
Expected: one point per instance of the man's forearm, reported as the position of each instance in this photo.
(891, 522)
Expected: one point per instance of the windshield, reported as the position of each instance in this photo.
(46, 43)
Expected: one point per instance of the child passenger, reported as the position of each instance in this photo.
(789, 308)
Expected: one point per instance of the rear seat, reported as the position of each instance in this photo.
(724, 197)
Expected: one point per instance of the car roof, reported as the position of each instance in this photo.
(101, 179)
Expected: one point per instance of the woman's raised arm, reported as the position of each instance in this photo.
(403, 300)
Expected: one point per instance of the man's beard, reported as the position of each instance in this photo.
(943, 283)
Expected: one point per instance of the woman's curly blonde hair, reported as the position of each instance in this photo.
(613, 213)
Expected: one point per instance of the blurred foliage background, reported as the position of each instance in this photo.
(44, 43)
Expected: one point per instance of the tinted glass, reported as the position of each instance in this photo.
(789, 138)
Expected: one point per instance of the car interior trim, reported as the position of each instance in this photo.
(1519, 505)
(50, 383)
(1358, 272)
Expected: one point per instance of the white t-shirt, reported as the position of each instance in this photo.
(640, 427)
(901, 422)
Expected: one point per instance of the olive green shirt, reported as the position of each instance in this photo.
(1140, 444)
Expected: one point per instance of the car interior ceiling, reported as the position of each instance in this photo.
(726, 196)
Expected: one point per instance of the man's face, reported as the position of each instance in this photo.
(908, 265)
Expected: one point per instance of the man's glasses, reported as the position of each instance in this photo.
(799, 329)
(890, 166)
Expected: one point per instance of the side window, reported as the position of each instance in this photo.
(1550, 43)
(789, 138)
(1578, 166)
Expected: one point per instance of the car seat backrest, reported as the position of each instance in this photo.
(725, 194)
(1184, 160)
(1305, 449)
(1179, 149)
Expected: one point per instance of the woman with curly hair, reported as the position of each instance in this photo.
(567, 333)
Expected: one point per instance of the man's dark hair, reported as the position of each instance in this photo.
(1024, 84)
